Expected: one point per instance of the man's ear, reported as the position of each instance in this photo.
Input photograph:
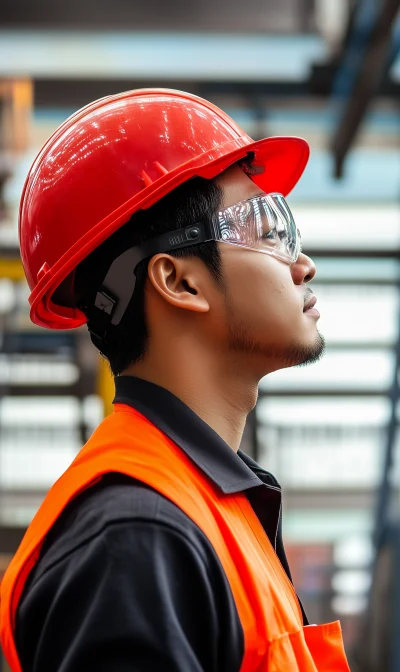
(181, 281)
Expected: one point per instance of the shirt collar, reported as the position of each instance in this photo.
(231, 472)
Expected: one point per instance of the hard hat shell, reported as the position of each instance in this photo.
(120, 154)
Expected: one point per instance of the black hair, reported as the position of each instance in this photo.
(193, 201)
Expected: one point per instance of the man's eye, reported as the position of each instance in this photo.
(268, 235)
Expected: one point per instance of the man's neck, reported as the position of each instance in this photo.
(222, 398)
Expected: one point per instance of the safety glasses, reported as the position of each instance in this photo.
(264, 224)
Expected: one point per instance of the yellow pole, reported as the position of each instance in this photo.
(11, 268)
(105, 385)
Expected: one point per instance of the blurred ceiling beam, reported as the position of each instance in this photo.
(144, 56)
(371, 42)
(274, 16)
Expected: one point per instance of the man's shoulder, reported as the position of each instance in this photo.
(115, 500)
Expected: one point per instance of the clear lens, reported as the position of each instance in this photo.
(263, 223)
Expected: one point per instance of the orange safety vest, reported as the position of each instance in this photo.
(126, 442)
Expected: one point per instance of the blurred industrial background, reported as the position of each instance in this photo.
(327, 70)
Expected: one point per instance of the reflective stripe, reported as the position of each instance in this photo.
(126, 442)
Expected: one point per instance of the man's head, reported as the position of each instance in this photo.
(213, 296)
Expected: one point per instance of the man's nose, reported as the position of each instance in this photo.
(303, 270)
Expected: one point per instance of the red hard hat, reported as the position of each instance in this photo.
(116, 156)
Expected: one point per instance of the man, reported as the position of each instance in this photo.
(152, 217)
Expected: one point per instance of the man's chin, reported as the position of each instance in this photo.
(298, 354)
(307, 354)
(277, 357)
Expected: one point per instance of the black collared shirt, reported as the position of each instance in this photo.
(126, 581)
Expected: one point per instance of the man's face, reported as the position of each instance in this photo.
(265, 297)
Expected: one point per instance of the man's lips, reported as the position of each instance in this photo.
(310, 303)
